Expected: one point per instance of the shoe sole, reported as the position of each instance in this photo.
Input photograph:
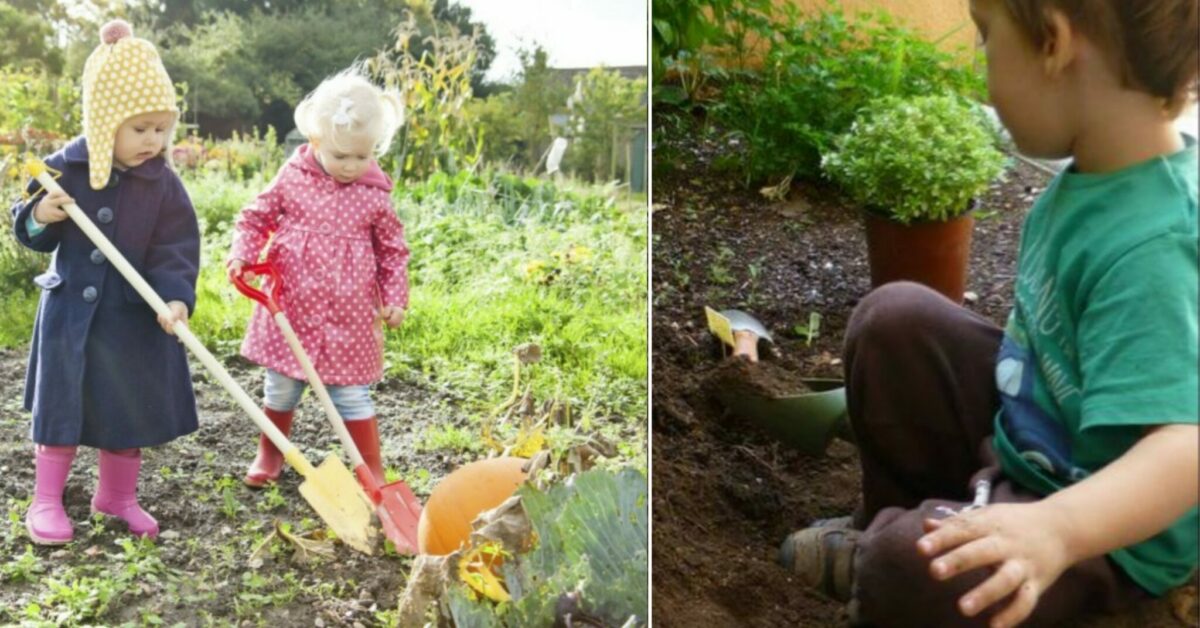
(255, 481)
(41, 540)
(149, 535)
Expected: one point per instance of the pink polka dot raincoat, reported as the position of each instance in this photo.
(341, 256)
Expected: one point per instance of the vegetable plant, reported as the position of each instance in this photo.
(918, 159)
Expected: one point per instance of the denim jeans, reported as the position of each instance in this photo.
(352, 402)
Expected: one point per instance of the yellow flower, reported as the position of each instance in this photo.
(536, 267)
(579, 254)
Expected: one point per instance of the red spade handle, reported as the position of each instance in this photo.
(266, 269)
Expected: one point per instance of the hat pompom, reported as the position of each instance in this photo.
(114, 31)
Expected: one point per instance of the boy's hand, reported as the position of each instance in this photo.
(179, 312)
(393, 316)
(1025, 544)
(49, 209)
(235, 270)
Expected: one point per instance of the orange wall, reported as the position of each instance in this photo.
(932, 18)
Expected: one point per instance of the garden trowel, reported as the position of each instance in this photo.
(739, 330)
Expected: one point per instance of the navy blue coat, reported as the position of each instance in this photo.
(102, 372)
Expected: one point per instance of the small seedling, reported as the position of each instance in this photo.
(811, 330)
(272, 499)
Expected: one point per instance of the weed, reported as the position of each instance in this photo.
(272, 499)
(452, 437)
(23, 568)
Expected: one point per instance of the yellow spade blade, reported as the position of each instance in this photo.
(719, 325)
(334, 493)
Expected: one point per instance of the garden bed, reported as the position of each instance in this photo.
(725, 497)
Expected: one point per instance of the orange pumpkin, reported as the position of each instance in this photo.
(460, 497)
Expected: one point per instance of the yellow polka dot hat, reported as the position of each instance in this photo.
(122, 78)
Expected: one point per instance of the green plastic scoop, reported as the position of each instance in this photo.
(805, 421)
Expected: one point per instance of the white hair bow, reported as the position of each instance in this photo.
(341, 117)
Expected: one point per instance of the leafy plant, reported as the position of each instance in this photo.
(435, 82)
(818, 72)
(688, 37)
(811, 330)
(918, 159)
(591, 545)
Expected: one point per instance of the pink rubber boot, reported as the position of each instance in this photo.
(46, 520)
(116, 493)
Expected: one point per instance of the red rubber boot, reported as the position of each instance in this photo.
(268, 464)
(365, 433)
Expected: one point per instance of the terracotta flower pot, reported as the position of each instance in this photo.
(931, 253)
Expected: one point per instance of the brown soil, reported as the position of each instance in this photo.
(763, 378)
(724, 497)
(209, 575)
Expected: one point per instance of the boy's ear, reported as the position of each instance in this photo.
(1061, 43)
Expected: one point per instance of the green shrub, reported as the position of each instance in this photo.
(918, 159)
(817, 73)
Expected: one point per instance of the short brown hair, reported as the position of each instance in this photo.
(1152, 44)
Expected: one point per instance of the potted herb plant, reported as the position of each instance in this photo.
(916, 165)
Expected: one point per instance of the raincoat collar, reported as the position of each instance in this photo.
(306, 159)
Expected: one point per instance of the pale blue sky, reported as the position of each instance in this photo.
(575, 33)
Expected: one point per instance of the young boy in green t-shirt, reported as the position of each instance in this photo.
(1049, 469)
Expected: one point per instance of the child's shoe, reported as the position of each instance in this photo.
(365, 433)
(823, 558)
(116, 493)
(268, 464)
(46, 520)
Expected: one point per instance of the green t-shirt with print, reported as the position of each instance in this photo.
(1102, 340)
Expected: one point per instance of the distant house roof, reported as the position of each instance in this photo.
(626, 71)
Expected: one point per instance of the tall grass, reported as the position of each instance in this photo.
(496, 261)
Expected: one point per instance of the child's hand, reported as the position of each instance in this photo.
(235, 270)
(179, 313)
(1023, 542)
(393, 316)
(49, 209)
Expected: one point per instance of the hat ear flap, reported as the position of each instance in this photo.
(100, 156)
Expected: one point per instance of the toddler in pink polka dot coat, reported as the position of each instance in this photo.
(339, 248)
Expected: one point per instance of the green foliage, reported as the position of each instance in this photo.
(515, 124)
(499, 122)
(818, 72)
(37, 113)
(27, 40)
(451, 437)
(916, 159)
(685, 34)
(436, 85)
(248, 69)
(240, 157)
(591, 539)
(610, 104)
(479, 244)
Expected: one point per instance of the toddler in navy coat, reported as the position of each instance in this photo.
(101, 371)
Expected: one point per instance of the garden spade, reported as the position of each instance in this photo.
(398, 509)
(737, 329)
(330, 488)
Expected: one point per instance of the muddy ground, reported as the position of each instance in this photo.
(724, 496)
(203, 572)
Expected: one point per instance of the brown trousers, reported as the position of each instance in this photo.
(922, 398)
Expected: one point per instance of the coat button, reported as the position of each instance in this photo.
(90, 294)
(105, 215)
(97, 256)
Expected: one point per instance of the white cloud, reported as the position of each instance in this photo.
(575, 33)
